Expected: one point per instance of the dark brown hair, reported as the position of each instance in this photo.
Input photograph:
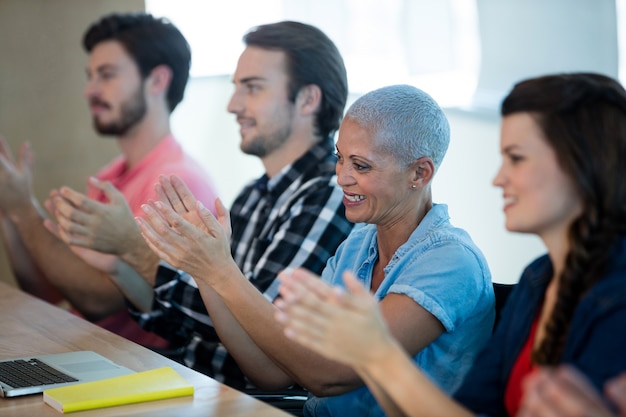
(583, 118)
(150, 42)
(312, 58)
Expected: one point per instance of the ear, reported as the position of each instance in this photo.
(158, 82)
(422, 172)
(309, 99)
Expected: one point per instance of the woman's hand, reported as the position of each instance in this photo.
(330, 321)
(565, 392)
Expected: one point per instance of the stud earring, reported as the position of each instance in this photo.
(413, 186)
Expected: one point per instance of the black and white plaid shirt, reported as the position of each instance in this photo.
(294, 219)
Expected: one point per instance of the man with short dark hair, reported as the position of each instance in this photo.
(137, 72)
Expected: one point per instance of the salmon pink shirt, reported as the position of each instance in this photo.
(137, 186)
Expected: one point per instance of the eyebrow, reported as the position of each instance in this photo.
(249, 79)
(355, 156)
(103, 67)
(511, 148)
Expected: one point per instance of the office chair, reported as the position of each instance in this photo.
(501, 292)
(289, 400)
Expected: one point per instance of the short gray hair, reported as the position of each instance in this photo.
(405, 121)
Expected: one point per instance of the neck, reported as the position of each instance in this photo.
(293, 149)
(558, 247)
(144, 137)
(396, 233)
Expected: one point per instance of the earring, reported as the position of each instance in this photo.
(413, 186)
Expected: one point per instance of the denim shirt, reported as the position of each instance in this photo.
(442, 270)
(596, 344)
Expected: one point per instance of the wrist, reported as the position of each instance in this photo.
(25, 212)
(221, 275)
(380, 354)
(143, 260)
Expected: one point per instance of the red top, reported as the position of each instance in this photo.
(522, 367)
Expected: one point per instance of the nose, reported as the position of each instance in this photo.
(235, 104)
(499, 179)
(344, 175)
(91, 89)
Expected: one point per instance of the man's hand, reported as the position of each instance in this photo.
(103, 227)
(16, 180)
(96, 230)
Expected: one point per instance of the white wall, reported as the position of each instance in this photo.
(211, 134)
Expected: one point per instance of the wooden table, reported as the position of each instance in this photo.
(29, 326)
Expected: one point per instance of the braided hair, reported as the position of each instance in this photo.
(583, 118)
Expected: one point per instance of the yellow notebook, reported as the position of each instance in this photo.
(151, 385)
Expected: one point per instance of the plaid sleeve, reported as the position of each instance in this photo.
(180, 316)
(178, 310)
(306, 233)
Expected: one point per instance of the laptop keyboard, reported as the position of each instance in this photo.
(29, 373)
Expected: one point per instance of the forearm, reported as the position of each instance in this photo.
(142, 259)
(409, 390)
(319, 375)
(255, 364)
(390, 408)
(88, 289)
(28, 276)
(134, 287)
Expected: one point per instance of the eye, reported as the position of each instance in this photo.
(253, 88)
(338, 156)
(360, 167)
(106, 75)
(515, 159)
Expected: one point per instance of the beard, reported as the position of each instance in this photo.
(264, 144)
(132, 112)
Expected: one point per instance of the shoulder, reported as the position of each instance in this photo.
(608, 295)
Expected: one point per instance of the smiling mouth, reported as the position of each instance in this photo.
(354, 197)
(508, 202)
(245, 122)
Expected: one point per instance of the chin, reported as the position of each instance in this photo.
(516, 228)
(353, 219)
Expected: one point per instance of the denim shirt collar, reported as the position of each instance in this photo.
(431, 221)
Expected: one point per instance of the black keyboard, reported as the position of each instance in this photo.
(30, 373)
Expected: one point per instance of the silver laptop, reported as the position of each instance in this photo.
(34, 374)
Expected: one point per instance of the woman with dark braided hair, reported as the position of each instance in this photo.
(563, 177)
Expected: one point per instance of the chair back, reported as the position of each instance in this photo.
(501, 292)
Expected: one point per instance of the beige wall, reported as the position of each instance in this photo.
(42, 73)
